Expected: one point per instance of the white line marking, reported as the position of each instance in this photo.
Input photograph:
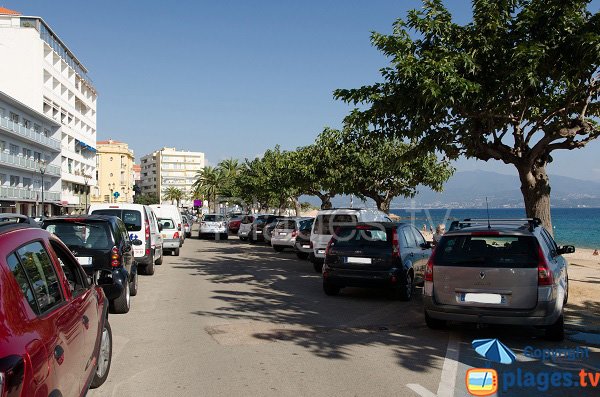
(450, 367)
(420, 390)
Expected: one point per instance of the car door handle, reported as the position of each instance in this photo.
(59, 354)
(86, 322)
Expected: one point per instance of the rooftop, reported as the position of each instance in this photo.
(6, 11)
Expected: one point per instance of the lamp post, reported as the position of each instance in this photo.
(86, 178)
(42, 165)
(111, 186)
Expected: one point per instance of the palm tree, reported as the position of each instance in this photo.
(209, 182)
(173, 194)
(231, 167)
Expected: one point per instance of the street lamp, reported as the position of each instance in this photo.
(86, 178)
(111, 186)
(42, 165)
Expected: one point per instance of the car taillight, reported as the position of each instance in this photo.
(395, 244)
(429, 268)
(147, 225)
(115, 257)
(294, 233)
(329, 246)
(175, 235)
(179, 226)
(544, 272)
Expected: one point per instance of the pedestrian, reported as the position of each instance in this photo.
(595, 253)
(439, 232)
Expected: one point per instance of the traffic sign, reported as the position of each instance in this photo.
(116, 195)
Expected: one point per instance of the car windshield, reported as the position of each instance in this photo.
(214, 218)
(326, 224)
(77, 234)
(362, 236)
(166, 223)
(131, 218)
(491, 251)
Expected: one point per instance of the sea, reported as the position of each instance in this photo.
(572, 226)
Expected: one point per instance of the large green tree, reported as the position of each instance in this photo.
(517, 83)
(173, 194)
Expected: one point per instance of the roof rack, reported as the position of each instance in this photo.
(532, 222)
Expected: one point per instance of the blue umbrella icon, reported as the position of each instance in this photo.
(494, 350)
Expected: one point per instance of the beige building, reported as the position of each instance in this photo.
(114, 162)
(169, 167)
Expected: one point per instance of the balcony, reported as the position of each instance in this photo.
(29, 133)
(23, 163)
(19, 193)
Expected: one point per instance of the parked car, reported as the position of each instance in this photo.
(142, 224)
(169, 211)
(245, 227)
(377, 255)
(327, 221)
(286, 230)
(187, 225)
(501, 272)
(302, 244)
(213, 225)
(56, 337)
(170, 235)
(233, 225)
(100, 243)
(260, 227)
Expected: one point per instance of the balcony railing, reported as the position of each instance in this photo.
(27, 164)
(20, 193)
(29, 133)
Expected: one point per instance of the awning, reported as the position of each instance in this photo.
(85, 146)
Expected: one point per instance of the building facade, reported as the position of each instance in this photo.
(114, 165)
(29, 160)
(169, 167)
(40, 71)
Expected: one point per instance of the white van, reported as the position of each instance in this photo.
(327, 220)
(142, 224)
(169, 211)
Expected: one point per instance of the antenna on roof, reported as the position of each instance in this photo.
(487, 206)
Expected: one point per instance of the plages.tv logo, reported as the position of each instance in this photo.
(484, 381)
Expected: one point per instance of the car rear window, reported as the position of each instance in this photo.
(82, 234)
(488, 251)
(287, 224)
(166, 223)
(247, 219)
(363, 236)
(306, 224)
(326, 224)
(214, 218)
(131, 218)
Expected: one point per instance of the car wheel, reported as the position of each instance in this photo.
(133, 285)
(278, 248)
(159, 261)
(302, 255)
(330, 289)
(176, 252)
(122, 303)
(404, 292)
(104, 357)
(566, 290)
(149, 268)
(243, 238)
(188, 234)
(224, 236)
(556, 331)
(434, 323)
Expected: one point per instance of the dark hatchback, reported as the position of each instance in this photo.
(262, 224)
(376, 255)
(101, 245)
(302, 245)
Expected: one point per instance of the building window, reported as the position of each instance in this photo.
(2, 179)
(27, 182)
(26, 153)
(37, 128)
(13, 149)
(37, 156)
(26, 123)
(14, 117)
(14, 181)
(46, 132)
(2, 146)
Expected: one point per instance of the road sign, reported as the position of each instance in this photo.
(116, 195)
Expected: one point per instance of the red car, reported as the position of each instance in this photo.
(55, 338)
(234, 224)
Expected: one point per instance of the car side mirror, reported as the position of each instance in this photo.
(160, 227)
(567, 249)
(426, 245)
(136, 242)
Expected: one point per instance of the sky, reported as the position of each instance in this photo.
(234, 78)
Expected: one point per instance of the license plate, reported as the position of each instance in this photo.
(357, 260)
(482, 298)
(305, 246)
(320, 251)
(282, 234)
(164, 236)
(84, 260)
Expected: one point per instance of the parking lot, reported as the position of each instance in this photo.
(229, 318)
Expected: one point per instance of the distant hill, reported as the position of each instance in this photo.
(468, 189)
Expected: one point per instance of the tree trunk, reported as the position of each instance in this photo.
(297, 206)
(325, 201)
(535, 187)
(383, 203)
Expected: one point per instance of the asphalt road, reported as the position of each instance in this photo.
(226, 318)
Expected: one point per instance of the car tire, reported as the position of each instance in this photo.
(188, 234)
(404, 292)
(176, 252)
(330, 289)
(224, 236)
(133, 285)
(556, 331)
(122, 304)
(149, 269)
(159, 261)
(318, 266)
(302, 255)
(243, 238)
(278, 248)
(104, 357)
(434, 323)
(566, 299)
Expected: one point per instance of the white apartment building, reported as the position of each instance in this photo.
(29, 160)
(40, 71)
(169, 167)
